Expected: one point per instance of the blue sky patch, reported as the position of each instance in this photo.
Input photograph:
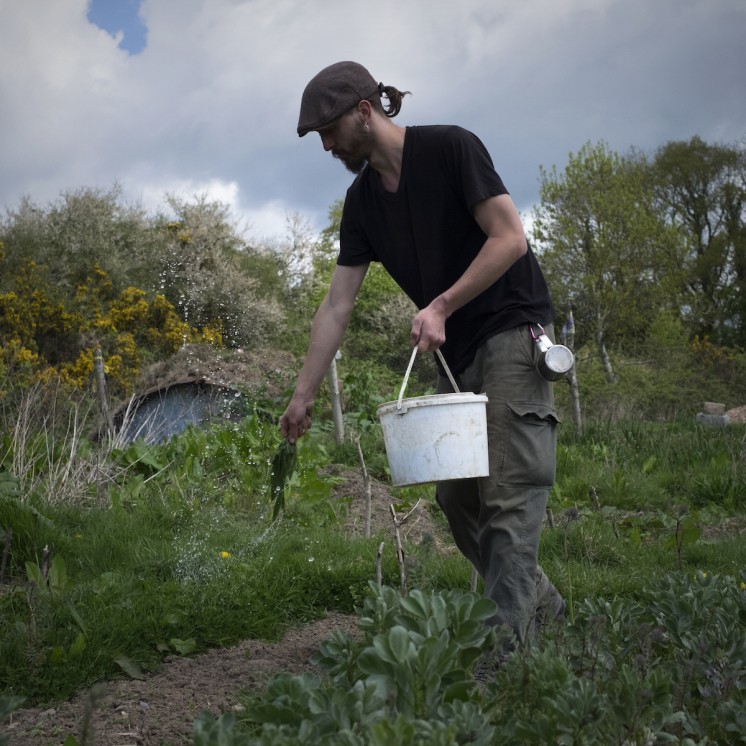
(120, 15)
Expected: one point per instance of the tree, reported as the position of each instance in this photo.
(701, 189)
(297, 249)
(82, 229)
(198, 268)
(604, 249)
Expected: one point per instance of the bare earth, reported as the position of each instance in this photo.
(161, 710)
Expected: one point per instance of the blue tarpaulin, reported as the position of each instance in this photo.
(161, 413)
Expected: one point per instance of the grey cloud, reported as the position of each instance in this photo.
(214, 95)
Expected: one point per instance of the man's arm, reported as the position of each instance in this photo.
(327, 331)
(505, 244)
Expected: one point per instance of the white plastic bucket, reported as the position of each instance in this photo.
(437, 437)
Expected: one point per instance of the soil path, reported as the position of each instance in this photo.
(161, 710)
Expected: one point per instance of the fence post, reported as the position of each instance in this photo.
(333, 380)
(100, 376)
(568, 339)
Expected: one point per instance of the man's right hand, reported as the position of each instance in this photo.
(296, 420)
(428, 328)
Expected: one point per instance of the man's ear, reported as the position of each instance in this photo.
(365, 109)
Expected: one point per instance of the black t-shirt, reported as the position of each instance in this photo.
(425, 235)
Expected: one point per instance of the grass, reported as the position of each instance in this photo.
(179, 554)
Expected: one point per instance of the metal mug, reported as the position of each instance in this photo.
(555, 360)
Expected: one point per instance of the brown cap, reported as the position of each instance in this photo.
(332, 93)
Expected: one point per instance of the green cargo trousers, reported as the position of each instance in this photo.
(496, 521)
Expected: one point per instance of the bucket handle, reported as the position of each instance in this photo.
(409, 370)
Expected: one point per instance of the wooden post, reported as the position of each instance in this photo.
(333, 380)
(100, 376)
(568, 335)
(368, 488)
(399, 553)
(398, 523)
(379, 566)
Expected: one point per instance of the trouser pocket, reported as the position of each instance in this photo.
(528, 444)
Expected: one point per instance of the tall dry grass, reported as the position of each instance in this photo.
(56, 446)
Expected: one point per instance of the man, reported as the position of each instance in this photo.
(428, 204)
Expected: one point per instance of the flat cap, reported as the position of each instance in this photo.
(331, 93)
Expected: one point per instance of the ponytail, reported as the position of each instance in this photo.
(393, 98)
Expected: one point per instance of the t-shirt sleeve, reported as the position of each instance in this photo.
(354, 247)
(470, 167)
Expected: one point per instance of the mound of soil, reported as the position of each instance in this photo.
(268, 372)
(162, 709)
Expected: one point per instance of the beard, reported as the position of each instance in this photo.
(355, 155)
(353, 163)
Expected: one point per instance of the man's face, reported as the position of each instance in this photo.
(348, 140)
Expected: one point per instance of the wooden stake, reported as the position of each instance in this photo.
(399, 554)
(572, 376)
(379, 570)
(398, 523)
(100, 374)
(368, 488)
(333, 381)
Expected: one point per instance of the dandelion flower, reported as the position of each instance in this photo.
(225, 554)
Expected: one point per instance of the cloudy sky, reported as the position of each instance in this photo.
(201, 97)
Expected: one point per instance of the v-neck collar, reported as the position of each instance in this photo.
(402, 173)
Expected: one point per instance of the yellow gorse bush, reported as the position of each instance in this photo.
(19, 363)
(91, 294)
(13, 321)
(40, 338)
(711, 354)
(130, 311)
(78, 373)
